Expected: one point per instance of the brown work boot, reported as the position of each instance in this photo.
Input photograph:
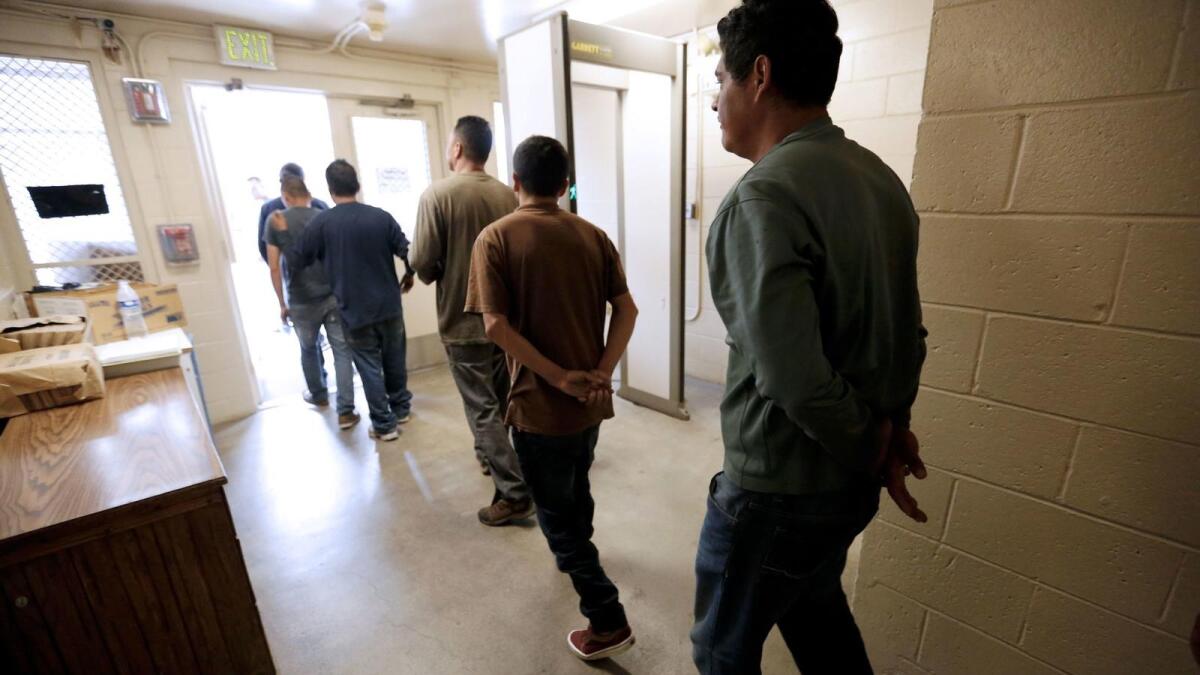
(348, 420)
(591, 646)
(502, 511)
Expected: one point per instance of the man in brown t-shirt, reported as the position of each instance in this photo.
(451, 214)
(543, 279)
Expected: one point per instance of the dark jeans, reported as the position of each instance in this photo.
(308, 320)
(768, 559)
(556, 471)
(380, 354)
(481, 375)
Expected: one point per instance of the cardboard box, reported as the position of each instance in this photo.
(161, 306)
(46, 331)
(36, 379)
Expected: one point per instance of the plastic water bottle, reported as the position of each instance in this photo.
(130, 307)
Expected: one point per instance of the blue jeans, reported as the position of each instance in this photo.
(308, 321)
(771, 559)
(380, 354)
(556, 471)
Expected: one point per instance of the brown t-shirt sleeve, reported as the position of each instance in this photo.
(487, 285)
(617, 285)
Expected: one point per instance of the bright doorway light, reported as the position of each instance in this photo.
(246, 136)
(604, 11)
(500, 141)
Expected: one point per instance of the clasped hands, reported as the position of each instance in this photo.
(591, 387)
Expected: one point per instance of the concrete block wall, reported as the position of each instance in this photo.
(877, 102)
(1056, 177)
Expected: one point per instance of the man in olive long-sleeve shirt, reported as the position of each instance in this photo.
(812, 264)
(450, 216)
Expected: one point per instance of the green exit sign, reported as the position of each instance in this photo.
(245, 47)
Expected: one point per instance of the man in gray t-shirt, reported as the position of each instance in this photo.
(306, 297)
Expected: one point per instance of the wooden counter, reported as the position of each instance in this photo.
(117, 549)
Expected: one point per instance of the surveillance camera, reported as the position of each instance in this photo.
(108, 24)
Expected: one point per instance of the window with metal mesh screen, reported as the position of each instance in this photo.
(52, 134)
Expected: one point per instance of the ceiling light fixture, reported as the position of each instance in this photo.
(375, 19)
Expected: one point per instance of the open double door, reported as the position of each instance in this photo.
(246, 135)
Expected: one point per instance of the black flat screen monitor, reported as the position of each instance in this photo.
(65, 201)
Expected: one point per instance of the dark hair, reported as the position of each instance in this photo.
(541, 164)
(475, 134)
(293, 186)
(798, 36)
(342, 178)
(290, 169)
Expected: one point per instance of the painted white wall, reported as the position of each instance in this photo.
(646, 142)
(160, 166)
(529, 66)
(631, 129)
(877, 101)
(8, 274)
(597, 131)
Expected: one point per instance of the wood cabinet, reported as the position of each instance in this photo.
(117, 549)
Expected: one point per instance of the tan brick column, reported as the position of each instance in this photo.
(1058, 179)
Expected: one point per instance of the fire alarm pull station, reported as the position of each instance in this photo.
(178, 244)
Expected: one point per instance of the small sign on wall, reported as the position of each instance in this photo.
(178, 244)
(147, 102)
(245, 47)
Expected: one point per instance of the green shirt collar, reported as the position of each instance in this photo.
(810, 130)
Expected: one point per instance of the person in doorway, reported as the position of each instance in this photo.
(812, 265)
(277, 204)
(357, 245)
(257, 193)
(543, 278)
(306, 298)
(451, 214)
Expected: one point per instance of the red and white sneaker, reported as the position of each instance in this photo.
(592, 646)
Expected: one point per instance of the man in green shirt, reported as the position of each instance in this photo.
(812, 264)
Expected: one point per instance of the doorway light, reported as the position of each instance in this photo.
(604, 11)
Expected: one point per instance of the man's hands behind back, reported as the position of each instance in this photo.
(590, 387)
(898, 456)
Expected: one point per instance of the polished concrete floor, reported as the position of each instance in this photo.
(368, 558)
